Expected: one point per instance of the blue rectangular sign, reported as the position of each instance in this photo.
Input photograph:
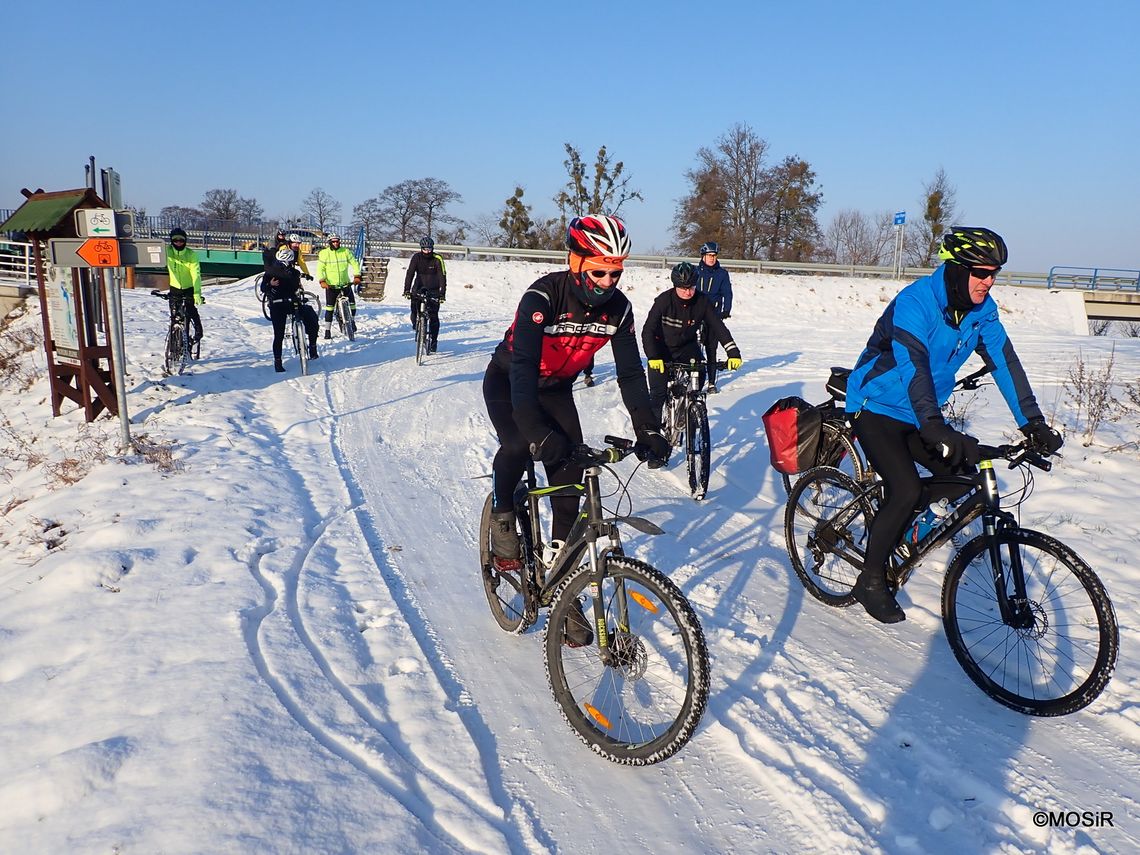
(900, 218)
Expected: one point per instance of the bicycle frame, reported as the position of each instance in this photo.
(589, 527)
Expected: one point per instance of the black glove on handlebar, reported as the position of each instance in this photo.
(1042, 438)
(952, 446)
(656, 445)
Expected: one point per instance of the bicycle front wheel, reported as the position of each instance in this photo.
(645, 704)
(421, 338)
(697, 434)
(836, 449)
(301, 344)
(826, 526)
(262, 297)
(505, 590)
(176, 350)
(347, 321)
(1055, 654)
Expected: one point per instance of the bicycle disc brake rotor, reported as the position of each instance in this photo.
(629, 655)
(1030, 620)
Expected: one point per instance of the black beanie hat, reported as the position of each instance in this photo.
(177, 232)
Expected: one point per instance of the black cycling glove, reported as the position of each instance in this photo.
(952, 446)
(1041, 437)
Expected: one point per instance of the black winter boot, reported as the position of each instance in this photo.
(278, 367)
(872, 594)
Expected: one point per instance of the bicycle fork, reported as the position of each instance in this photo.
(1014, 608)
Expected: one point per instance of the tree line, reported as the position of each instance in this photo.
(754, 204)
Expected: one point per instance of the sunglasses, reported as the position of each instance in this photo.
(978, 273)
(602, 275)
(178, 240)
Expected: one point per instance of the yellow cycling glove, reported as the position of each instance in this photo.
(734, 363)
(657, 365)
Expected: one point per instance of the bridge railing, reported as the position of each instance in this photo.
(1094, 278)
(16, 262)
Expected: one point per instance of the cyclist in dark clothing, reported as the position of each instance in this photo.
(562, 320)
(426, 282)
(678, 324)
(712, 281)
(905, 375)
(282, 287)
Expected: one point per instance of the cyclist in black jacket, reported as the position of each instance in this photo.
(427, 279)
(282, 287)
(562, 320)
(679, 323)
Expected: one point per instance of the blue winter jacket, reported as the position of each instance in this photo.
(907, 370)
(713, 282)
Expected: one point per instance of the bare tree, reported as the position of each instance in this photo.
(853, 237)
(434, 197)
(221, 205)
(182, 216)
(321, 207)
(369, 215)
(249, 211)
(939, 201)
(603, 193)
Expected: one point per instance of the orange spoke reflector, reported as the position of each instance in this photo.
(643, 601)
(596, 715)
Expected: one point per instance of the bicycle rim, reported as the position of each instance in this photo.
(301, 346)
(699, 451)
(506, 593)
(645, 706)
(348, 323)
(421, 339)
(174, 361)
(1062, 655)
(823, 522)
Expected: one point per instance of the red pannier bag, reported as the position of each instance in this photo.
(793, 429)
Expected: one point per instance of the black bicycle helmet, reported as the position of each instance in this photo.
(427, 243)
(973, 246)
(683, 275)
(710, 246)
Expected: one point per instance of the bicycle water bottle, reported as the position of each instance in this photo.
(930, 518)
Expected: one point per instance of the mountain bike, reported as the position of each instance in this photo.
(297, 333)
(423, 333)
(179, 347)
(637, 691)
(342, 311)
(685, 420)
(1029, 621)
(262, 296)
(838, 446)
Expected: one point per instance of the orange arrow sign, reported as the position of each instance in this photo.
(100, 252)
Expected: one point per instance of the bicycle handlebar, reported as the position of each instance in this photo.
(693, 365)
(1018, 454)
(618, 449)
(971, 381)
(165, 295)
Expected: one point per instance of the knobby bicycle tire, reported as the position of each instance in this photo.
(300, 344)
(698, 452)
(837, 449)
(1063, 658)
(421, 337)
(345, 319)
(177, 349)
(823, 522)
(646, 705)
(506, 594)
(262, 297)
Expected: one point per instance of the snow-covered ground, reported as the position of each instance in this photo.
(283, 645)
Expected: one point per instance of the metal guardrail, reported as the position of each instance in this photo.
(1094, 278)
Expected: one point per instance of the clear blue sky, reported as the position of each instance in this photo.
(1031, 107)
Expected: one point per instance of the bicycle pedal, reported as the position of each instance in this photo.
(506, 565)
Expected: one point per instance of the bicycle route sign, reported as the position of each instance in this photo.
(106, 252)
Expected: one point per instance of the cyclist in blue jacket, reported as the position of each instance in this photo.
(712, 281)
(904, 376)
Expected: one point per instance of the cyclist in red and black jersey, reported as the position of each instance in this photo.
(562, 320)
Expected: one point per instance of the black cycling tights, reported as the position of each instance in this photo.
(514, 450)
(894, 447)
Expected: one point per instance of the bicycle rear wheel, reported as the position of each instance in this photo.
(837, 449)
(262, 297)
(177, 350)
(826, 526)
(1058, 654)
(646, 704)
(697, 434)
(505, 589)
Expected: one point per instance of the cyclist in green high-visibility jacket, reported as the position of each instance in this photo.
(337, 271)
(185, 273)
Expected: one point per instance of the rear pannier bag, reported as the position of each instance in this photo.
(793, 429)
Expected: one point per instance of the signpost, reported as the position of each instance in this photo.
(900, 225)
(103, 252)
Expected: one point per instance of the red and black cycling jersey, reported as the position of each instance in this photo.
(555, 335)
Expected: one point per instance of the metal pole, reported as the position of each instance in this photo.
(115, 334)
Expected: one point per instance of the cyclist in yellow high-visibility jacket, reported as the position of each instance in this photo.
(185, 272)
(337, 271)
